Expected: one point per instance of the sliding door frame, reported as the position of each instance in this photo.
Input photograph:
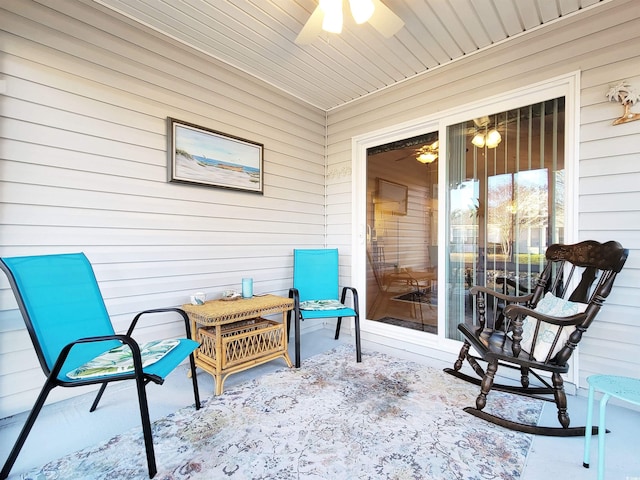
(567, 86)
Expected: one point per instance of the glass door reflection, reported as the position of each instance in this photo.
(402, 212)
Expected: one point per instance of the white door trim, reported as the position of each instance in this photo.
(567, 85)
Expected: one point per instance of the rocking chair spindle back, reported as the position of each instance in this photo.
(539, 331)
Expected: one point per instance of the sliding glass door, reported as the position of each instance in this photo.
(505, 202)
(402, 233)
(469, 196)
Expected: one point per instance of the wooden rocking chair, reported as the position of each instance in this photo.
(540, 330)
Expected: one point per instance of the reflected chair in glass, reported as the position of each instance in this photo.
(67, 320)
(540, 330)
(388, 288)
(315, 294)
(415, 287)
(623, 388)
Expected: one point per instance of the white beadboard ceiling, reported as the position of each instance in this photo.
(257, 36)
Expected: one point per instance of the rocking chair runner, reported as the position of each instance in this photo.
(71, 331)
(539, 331)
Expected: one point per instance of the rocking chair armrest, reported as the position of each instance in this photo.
(475, 290)
(179, 311)
(517, 314)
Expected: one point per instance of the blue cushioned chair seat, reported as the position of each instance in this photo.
(161, 368)
(343, 312)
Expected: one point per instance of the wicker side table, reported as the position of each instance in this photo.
(234, 336)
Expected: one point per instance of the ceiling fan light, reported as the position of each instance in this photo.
(493, 138)
(427, 157)
(478, 140)
(332, 21)
(481, 122)
(332, 24)
(361, 10)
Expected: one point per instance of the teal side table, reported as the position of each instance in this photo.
(624, 388)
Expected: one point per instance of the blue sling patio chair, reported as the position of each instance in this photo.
(67, 320)
(315, 293)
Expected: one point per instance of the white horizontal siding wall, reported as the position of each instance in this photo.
(84, 168)
(604, 47)
(609, 207)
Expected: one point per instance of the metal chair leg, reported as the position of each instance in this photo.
(358, 341)
(146, 426)
(601, 435)
(297, 336)
(24, 433)
(194, 380)
(589, 424)
(98, 397)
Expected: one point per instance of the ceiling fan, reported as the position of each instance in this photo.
(428, 153)
(328, 16)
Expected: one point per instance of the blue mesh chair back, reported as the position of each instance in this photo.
(60, 301)
(315, 274)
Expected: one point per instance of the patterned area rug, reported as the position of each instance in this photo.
(384, 418)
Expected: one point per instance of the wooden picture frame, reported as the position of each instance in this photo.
(201, 156)
(392, 197)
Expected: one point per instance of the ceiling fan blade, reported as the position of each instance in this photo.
(384, 20)
(312, 28)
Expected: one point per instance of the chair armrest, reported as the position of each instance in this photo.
(517, 313)
(179, 311)
(475, 290)
(481, 293)
(354, 294)
(126, 339)
(295, 294)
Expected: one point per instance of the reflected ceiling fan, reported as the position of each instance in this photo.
(427, 153)
(328, 16)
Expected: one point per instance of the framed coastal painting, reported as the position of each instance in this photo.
(392, 197)
(201, 156)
